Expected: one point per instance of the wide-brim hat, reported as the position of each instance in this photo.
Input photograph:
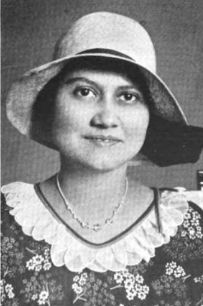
(99, 35)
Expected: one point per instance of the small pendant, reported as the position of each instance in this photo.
(96, 227)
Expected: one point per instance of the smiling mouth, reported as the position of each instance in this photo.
(101, 140)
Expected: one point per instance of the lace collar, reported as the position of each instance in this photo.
(66, 249)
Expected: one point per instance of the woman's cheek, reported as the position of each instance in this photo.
(137, 121)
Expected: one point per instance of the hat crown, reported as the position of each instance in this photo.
(104, 30)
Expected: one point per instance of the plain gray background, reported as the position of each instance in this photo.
(30, 29)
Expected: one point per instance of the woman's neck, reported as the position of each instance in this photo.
(85, 187)
(93, 196)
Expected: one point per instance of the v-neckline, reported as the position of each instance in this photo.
(138, 242)
(116, 238)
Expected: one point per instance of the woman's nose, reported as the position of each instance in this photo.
(105, 118)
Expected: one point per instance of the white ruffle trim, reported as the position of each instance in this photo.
(66, 249)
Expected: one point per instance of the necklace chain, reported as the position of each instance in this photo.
(97, 226)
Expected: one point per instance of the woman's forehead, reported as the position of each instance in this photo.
(103, 65)
(99, 76)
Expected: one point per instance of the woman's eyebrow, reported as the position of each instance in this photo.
(72, 80)
(133, 87)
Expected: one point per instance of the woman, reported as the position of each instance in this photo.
(91, 235)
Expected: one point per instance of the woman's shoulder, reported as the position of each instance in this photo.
(177, 194)
(15, 192)
(16, 187)
(14, 196)
(19, 203)
(176, 203)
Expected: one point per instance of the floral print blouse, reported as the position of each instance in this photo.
(172, 276)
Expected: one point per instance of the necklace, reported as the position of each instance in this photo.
(95, 227)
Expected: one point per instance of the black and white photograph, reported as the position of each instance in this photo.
(102, 153)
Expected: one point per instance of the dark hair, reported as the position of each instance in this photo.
(43, 113)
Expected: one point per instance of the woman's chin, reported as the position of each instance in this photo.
(100, 164)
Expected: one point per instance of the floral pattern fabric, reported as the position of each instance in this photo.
(173, 277)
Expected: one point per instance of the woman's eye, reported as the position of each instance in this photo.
(130, 98)
(84, 92)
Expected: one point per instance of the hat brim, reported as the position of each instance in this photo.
(22, 94)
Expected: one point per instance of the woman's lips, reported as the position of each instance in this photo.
(102, 140)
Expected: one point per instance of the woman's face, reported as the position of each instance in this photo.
(101, 119)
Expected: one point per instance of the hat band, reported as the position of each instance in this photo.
(106, 51)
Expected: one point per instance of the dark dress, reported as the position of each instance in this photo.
(152, 264)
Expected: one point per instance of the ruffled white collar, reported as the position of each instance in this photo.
(66, 249)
